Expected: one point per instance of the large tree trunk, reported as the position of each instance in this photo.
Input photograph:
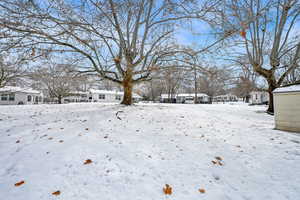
(59, 99)
(127, 87)
(272, 87)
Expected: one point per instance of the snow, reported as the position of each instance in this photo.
(292, 88)
(150, 146)
(18, 89)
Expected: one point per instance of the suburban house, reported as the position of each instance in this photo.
(287, 108)
(109, 96)
(11, 95)
(225, 98)
(76, 96)
(184, 98)
(258, 97)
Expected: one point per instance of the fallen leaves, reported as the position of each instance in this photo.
(218, 161)
(88, 161)
(56, 193)
(201, 190)
(18, 141)
(167, 190)
(19, 183)
(218, 158)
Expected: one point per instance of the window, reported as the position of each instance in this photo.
(101, 96)
(29, 98)
(11, 97)
(4, 97)
(118, 97)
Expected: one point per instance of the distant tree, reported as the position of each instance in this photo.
(59, 80)
(214, 81)
(11, 70)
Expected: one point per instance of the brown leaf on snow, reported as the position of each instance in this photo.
(50, 138)
(87, 129)
(220, 163)
(18, 141)
(88, 161)
(214, 162)
(201, 190)
(167, 190)
(19, 183)
(61, 141)
(218, 158)
(56, 193)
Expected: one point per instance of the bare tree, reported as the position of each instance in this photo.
(11, 70)
(123, 41)
(59, 80)
(267, 38)
(214, 81)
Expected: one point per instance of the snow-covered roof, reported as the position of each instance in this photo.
(78, 92)
(102, 91)
(292, 88)
(19, 89)
(192, 95)
(183, 95)
(226, 95)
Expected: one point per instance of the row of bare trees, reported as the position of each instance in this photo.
(129, 42)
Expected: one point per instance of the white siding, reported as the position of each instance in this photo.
(259, 97)
(287, 111)
(20, 97)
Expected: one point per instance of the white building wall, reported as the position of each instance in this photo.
(108, 97)
(20, 97)
(287, 111)
(258, 97)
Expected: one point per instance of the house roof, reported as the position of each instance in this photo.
(183, 95)
(19, 89)
(191, 95)
(292, 88)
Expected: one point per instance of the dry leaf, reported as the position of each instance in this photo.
(56, 193)
(19, 183)
(243, 34)
(220, 163)
(61, 141)
(87, 129)
(88, 161)
(218, 158)
(167, 190)
(201, 190)
(214, 162)
(18, 141)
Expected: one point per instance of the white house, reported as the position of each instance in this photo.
(10, 95)
(76, 96)
(259, 97)
(225, 98)
(109, 96)
(184, 98)
(287, 108)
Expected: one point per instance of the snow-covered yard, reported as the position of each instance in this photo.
(133, 157)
